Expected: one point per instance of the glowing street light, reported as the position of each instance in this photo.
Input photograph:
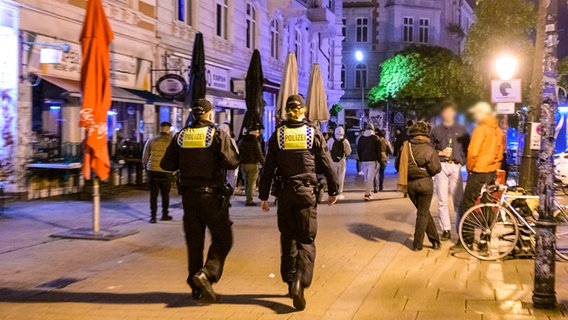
(506, 67)
(359, 55)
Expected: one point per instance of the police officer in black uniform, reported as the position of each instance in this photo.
(296, 152)
(202, 153)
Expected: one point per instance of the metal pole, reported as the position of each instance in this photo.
(529, 168)
(544, 295)
(96, 206)
(362, 96)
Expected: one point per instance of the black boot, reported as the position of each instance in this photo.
(298, 295)
(446, 235)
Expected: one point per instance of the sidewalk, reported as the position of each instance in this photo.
(364, 268)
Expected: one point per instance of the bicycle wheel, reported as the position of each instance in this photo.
(489, 231)
(561, 218)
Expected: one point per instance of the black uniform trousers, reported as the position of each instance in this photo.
(420, 192)
(297, 222)
(201, 211)
(160, 183)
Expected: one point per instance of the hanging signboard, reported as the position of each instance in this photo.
(509, 91)
(172, 86)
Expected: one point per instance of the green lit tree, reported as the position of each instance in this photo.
(418, 78)
(502, 27)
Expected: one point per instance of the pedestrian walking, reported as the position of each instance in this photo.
(339, 148)
(159, 180)
(202, 153)
(359, 171)
(251, 157)
(232, 175)
(296, 151)
(398, 140)
(417, 163)
(369, 152)
(386, 152)
(451, 141)
(484, 156)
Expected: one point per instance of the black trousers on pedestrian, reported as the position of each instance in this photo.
(297, 222)
(160, 183)
(204, 211)
(380, 180)
(475, 182)
(420, 192)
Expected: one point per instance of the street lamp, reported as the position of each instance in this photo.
(506, 67)
(359, 57)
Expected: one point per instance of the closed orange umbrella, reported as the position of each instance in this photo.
(96, 89)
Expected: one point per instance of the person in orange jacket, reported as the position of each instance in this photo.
(484, 156)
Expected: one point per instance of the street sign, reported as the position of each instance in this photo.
(506, 91)
(505, 108)
(535, 136)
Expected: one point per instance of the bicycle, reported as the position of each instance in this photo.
(504, 222)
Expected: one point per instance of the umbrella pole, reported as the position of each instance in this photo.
(96, 206)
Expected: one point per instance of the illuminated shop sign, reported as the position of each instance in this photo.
(8, 88)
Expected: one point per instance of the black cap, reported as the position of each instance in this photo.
(201, 107)
(165, 124)
(295, 101)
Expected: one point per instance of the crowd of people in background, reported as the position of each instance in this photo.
(428, 159)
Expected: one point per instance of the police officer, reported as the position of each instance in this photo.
(296, 152)
(202, 153)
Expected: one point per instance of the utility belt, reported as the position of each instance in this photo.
(224, 193)
(281, 183)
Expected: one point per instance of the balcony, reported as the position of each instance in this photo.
(321, 14)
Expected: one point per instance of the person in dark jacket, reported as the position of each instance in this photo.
(451, 140)
(251, 157)
(398, 141)
(296, 152)
(417, 163)
(202, 153)
(369, 153)
(160, 181)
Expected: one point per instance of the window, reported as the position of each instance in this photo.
(184, 11)
(314, 51)
(361, 76)
(424, 34)
(343, 75)
(331, 5)
(344, 28)
(298, 47)
(275, 39)
(222, 13)
(408, 30)
(251, 26)
(362, 29)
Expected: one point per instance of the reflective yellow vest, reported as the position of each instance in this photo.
(196, 138)
(301, 138)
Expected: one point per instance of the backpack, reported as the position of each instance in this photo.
(337, 150)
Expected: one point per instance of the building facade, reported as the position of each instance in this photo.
(152, 38)
(380, 28)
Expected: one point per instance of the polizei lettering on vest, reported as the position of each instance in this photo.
(295, 137)
(196, 136)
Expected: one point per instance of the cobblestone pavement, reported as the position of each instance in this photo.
(364, 268)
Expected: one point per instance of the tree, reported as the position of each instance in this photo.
(502, 27)
(418, 78)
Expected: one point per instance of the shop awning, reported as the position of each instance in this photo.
(226, 99)
(153, 98)
(73, 87)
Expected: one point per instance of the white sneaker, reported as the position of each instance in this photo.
(368, 197)
(340, 197)
(360, 173)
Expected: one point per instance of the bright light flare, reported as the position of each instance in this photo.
(359, 56)
(506, 67)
